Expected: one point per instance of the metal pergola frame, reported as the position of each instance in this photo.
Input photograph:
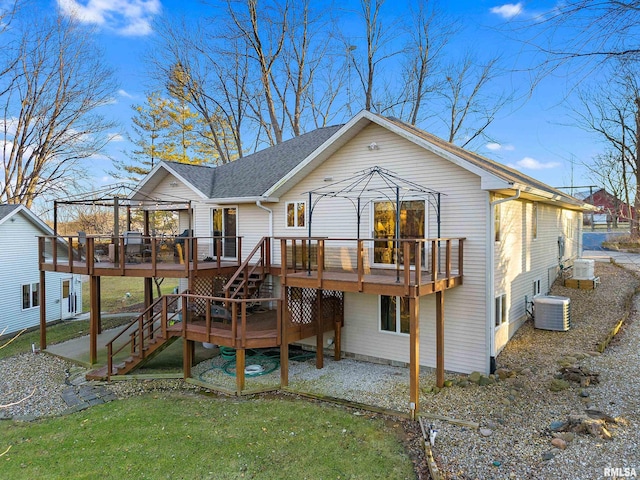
(362, 186)
(121, 196)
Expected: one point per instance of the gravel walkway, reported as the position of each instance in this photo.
(515, 414)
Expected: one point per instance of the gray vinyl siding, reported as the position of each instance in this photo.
(463, 215)
(19, 266)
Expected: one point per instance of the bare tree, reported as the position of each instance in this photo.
(428, 34)
(613, 112)
(610, 171)
(470, 102)
(51, 94)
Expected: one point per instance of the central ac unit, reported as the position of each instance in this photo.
(552, 312)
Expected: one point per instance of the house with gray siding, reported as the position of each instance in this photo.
(20, 274)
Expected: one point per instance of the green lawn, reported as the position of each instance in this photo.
(120, 293)
(173, 435)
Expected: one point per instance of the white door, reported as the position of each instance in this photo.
(68, 299)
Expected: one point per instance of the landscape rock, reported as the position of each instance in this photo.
(557, 385)
(559, 443)
(486, 432)
(475, 377)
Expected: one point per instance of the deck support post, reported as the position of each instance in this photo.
(240, 366)
(440, 339)
(414, 354)
(94, 318)
(284, 340)
(43, 310)
(187, 357)
(337, 346)
(319, 331)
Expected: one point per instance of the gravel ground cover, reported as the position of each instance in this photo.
(515, 414)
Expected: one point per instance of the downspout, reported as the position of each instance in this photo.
(259, 205)
(492, 277)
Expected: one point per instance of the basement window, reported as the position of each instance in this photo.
(394, 314)
(501, 310)
(30, 295)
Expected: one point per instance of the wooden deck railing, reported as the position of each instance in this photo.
(257, 262)
(80, 254)
(413, 261)
(182, 315)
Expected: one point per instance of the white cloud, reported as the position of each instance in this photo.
(529, 163)
(124, 93)
(115, 137)
(125, 17)
(508, 10)
(496, 147)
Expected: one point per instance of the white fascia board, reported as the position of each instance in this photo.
(363, 115)
(551, 197)
(233, 200)
(171, 171)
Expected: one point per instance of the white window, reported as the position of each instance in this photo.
(501, 309)
(537, 290)
(534, 220)
(296, 214)
(394, 314)
(30, 295)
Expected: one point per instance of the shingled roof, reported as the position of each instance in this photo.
(7, 209)
(253, 175)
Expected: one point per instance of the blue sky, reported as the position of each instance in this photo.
(535, 136)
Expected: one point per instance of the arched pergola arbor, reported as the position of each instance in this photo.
(374, 184)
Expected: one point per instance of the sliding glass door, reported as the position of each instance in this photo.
(412, 225)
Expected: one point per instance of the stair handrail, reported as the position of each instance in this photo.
(151, 317)
(263, 247)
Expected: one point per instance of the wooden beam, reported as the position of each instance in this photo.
(42, 298)
(414, 353)
(187, 357)
(148, 300)
(240, 366)
(283, 314)
(440, 339)
(319, 331)
(94, 317)
(99, 303)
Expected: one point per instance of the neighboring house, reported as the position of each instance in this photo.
(610, 209)
(518, 231)
(20, 275)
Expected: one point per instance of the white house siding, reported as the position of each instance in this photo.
(463, 215)
(521, 260)
(19, 266)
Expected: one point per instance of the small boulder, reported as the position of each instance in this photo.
(503, 373)
(547, 456)
(486, 432)
(484, 380)
(475, 377)
(448, 383)
(463, 383)
(557, 426)
(559, 443)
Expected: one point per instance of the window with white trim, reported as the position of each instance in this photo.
(30, 295)
(296, 214)
(537, 290)
(394, 314)
(501, 309)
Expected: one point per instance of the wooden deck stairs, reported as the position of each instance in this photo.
(248, 280)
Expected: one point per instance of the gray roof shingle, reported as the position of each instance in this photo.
(7, 209)
(253, 175)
